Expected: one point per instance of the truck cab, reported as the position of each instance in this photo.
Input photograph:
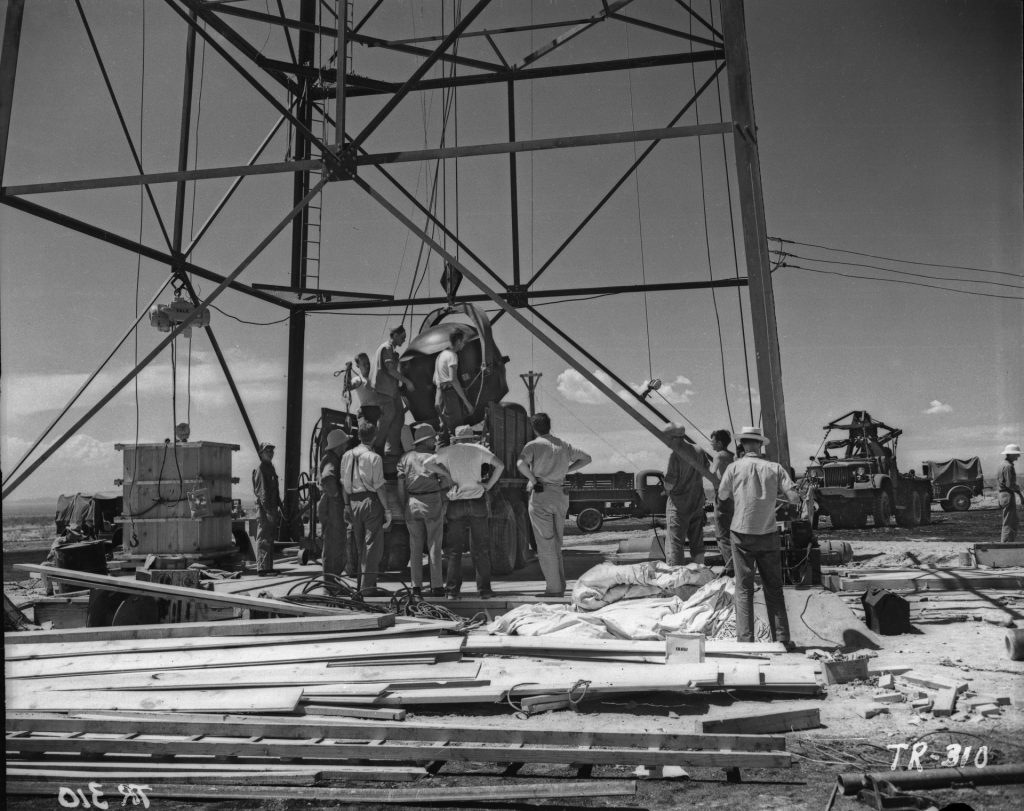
(593, 497)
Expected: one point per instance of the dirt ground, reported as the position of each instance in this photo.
(968, 651)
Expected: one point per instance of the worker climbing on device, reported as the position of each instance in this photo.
(467, 508)
(387, 380)
(545, 462)
(356, 381)
(266, 488)
(684, 509)
(453, 407)
(362, 478)
(330, 509)
(755, 484)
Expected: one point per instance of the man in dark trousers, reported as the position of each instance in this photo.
(684, 509)
(449, 397)
(467, 508)
(267, 490)
(1006, 484)
(330, 509)
(362, 477)
(386, 381)
(721, 460)
(755, 484)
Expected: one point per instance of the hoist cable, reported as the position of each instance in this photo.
(707, 245)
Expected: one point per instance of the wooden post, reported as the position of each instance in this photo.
(8, 70)
(755, 240)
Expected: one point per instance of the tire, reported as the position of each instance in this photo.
(946, 506)
(926, 510)
(859, 520)
(839, 519)
(911, 515)
(590, 519)
(1015, 644)
(960, 501)
(881, 509)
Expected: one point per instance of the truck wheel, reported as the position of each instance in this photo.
(960, 501)
(946, 506)
(881, 509)
(839, 519)
(859, 520)
(911, 515)
(589, 519)
(926, 510)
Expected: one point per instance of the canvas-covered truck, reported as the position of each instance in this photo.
(857, 477)
(593, 497)
(955, 482)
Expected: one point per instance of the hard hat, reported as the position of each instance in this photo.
(336, 439)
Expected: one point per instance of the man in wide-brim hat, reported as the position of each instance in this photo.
(755, 484)
(420, 492)
(1006, 484)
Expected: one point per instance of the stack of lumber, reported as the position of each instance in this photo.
(918, 579)
(928, 693)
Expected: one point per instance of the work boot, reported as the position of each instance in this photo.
(417, 593)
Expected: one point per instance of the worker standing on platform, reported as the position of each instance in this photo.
(684, 509)
(721, 460)
(545, 462)
(331, 508)
(267, 490)
(357, 380)
(421, 494)
(754, 484)
(362, 478)
(453, 407)
(386, 379)
(467, 508)
(1006, 484)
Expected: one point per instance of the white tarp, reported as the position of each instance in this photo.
(608, 583)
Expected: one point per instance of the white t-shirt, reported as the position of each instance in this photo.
(446, 367)
(463, 463)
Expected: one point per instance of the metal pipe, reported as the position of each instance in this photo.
(183, 139)
(853, 782)
(8, 72)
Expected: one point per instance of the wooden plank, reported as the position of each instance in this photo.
(297, 776)
(945, 703)
(933, 682)
(377, 771)
(396, 648)
(20, 696)
(244, 726)
(740, 675)
(311, 708)
(999, 556)
(145, 588)
(275, 626)
(759, 722)
(416, 751)
(472, 794)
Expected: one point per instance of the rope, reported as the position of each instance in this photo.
(707, 245)
(639, 218)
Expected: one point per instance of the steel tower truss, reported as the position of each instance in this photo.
(319, 92)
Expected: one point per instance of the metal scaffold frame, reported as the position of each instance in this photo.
(325, 93)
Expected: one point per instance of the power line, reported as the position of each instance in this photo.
(901, 281)
(783, 255)
(251, 323)
(891, 259)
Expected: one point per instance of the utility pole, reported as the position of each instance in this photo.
(531, 378)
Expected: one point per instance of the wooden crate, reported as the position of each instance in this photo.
(158, 478)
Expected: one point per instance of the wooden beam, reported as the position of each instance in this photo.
(761, 722)
(128, 586)
(22, 695)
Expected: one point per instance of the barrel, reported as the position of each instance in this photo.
(87, 556)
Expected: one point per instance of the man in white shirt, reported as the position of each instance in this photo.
(450, 398)
(754, 484)
(386, 379)
(362, 477)
(545, 461)
(467, 508)
(357, 380)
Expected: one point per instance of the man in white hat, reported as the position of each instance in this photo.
(420, 493)
(362, 479)
(1006, 484)
(755, 484)
(684, 509)
(330, 509)
(467, 507)
(267, 489)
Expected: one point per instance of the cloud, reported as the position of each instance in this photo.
(575, 387)
(677, 392)
(938, 407)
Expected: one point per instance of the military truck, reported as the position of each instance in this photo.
(857, 477)
(593, 497)
(955, 482)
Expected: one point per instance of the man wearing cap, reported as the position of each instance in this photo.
(684, 509)
(267, 490)
(1006, 484)
(386, 379)
(362, 479)
(449, 397)
(467, 507)
(420, 493)
(330, 509)
(754, 484)
(545, 462)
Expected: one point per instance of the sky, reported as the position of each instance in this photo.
(886, 131)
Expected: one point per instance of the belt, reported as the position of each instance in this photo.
(444, 386)
(360, 496)
(423, 492)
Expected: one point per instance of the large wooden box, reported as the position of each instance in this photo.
(159, 516)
